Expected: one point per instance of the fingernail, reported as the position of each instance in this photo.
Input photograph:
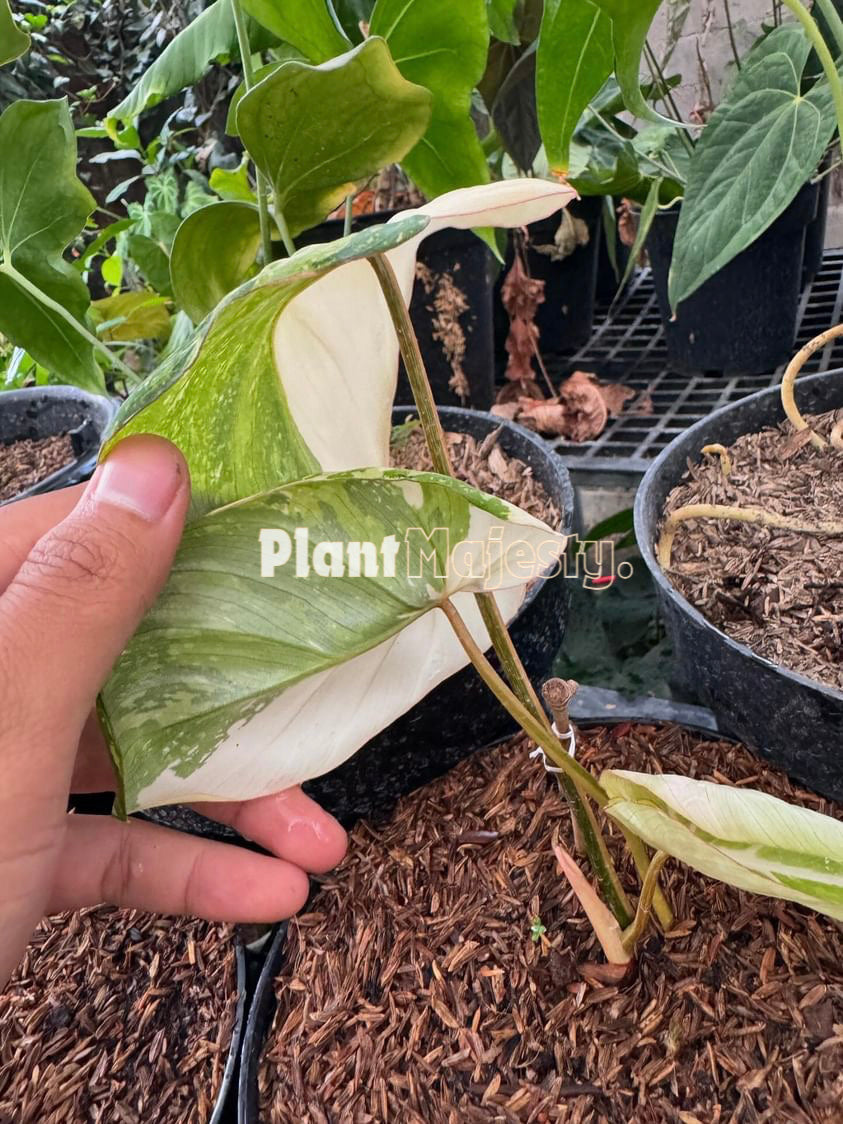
(143, 475)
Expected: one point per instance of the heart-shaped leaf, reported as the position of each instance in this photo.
(576, 41)
(295, 372)
(745, 838)
(763, 142)
(214, 251)
(442, 46)
(268, 659)
(14, 41)
(43, 206)
(310, 25)
(317, 132)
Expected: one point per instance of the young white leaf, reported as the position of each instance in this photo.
(267, 661)
(743, 837)
(606, 928)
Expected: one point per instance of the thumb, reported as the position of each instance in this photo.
(85, 585)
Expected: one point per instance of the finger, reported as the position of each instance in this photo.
(289, 824)
(143, 866)
(93, 770)
(24, 522)
(85, 585)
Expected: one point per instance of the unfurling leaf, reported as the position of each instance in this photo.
(251, 674)
(43, 206)
(317, 132)
(744, 838)
(606, 928)
(14, 41)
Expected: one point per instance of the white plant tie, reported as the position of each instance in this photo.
(570, 737)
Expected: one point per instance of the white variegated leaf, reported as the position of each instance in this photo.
(745, 838)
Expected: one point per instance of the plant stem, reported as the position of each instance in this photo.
(535, 729)
(731, 31)
(666, 96)
(349, 214)
(249, 80)
(789, 378)
(833, 20)
(824, 54)
(645, 902)
(114, 362)
(286, 237)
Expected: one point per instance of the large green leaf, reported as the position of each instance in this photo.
(186, 58)
(310, 25)
(443, 46)
(763, 142)
(214, 251)
(13, 40)
(574, 60)
(514, 112)
(295, 372)
(631, 21)
(502, 22)
(247, 677)
(43, 206)
(745, 838)
(319, 131)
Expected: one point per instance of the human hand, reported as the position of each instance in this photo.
(78, 569)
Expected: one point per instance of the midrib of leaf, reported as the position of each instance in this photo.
(398, 19)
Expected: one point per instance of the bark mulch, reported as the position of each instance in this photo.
(23, 463)
(483, 465)
(419, 986)
(778, 592)
(117, 1017)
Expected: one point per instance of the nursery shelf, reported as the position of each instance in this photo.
(629, 347)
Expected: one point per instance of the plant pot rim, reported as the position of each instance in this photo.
(647, 548)
(542, 448)
(103, 407)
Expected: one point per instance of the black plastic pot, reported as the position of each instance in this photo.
(743, 319)
(457, 260)
(815, 233)
(794, 721)
(566, 316)
(49, 411)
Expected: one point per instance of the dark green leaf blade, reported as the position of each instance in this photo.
(631, 21)
(43, 206)
(761, 145)
(318, 131)
(214, 251)
(574, 60)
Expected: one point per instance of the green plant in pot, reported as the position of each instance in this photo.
(728, 262)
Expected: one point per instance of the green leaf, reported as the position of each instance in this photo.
(514, 112)
(763, 142)
(186, 59)
(233, 185)
(13, 41)
(214, 251)
(443, 47)
(43, 207)
(575, 41)
(241, 91)
(645, 222)
(744, 838)
(310, 25)
(112, 271)
(631, 21)
(318, 131)
(295, 372)
(248, 675)
(101, 241)
(152, 260)
(502, 22)
(135, 315)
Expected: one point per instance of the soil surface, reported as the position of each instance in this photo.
(778, 592)
(117, 1017)
(420, 987)
(481, 464)
(24, 463)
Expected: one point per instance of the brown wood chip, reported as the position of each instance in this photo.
(24, 463)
